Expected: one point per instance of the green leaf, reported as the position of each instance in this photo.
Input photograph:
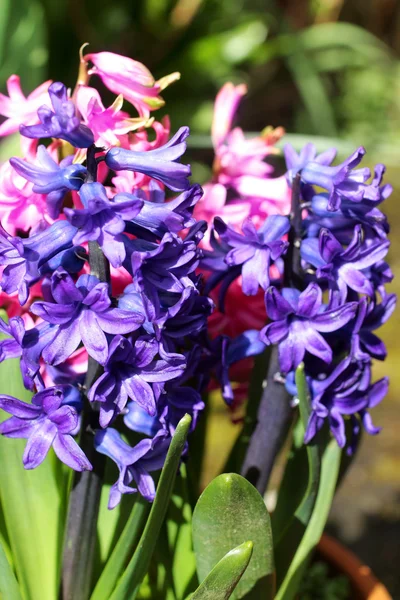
(229, 512)
(129, 584)
(179, 529)
(122, 550)
(220, 583)
(31, 503)
(9, 589)
(316, 525)
(295, 503)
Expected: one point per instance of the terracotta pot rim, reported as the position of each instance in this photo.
(361, 576)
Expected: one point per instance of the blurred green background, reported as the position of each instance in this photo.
(326, 70)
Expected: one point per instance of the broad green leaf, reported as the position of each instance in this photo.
(9, 589)
(31, 505)
(122, 551)
(316, 525)
(229, 512)
(129, 584)
(220, 583)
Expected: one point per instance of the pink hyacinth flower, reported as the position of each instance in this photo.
(20, 208)
(132, 79)
(107, 124)
(18, 109)
(225, 107)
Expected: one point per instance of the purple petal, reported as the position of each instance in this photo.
(39, 444)
(378, 391)
(316, 345)
(18, 408)
(17, 428)
(141, 392)
(310, 301)
(145, 483)
(356, 280)
(332, 320)
(329, 247)
(336, 424)
(64, 343)
(70, 453)
(93, 337)
(291, 352)
(118, 320)
(277, 307)
(66, 419)
(274, 332)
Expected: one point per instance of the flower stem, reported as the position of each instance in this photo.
(84, 499)
(275, 413)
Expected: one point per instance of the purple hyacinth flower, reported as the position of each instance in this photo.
(103, 220)
(347, 391)
(165, 266)
(371, 315)
(175, 402)
(296, 162)
(341, 267)
(23, 258)
(137, 419)
(50, 421)
(342, 181)
(63, 123)
(158, 217)
(160, 164)
(82, 313)
(299, 319)
(130, 370)
(227, 351)
(51, 178)
(134, 464)
(343, 221)
(254, 249)
(26, 345)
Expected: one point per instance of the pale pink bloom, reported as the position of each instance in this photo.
(20, 208)
(107, 124)
(20, 109)
(270, 196)
(132, 79)
(225, 107)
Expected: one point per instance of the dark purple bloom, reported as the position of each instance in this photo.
(226, 351)
(341, 267)
(82, 313)
(371, 316)
(299, 319)
(26, 345)
(165, 266)
(49, 421)
(296, 162)
(24, 258)
(346, 391)
(254, 249)
(343, 221)
(130, 370)
(342, 181)
(158, 217)
(103, 220)
(160, 164)
(62, 123)
(134, 464)
(51, 178)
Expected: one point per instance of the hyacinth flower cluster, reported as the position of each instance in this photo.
(99, 256)
(323, 274)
